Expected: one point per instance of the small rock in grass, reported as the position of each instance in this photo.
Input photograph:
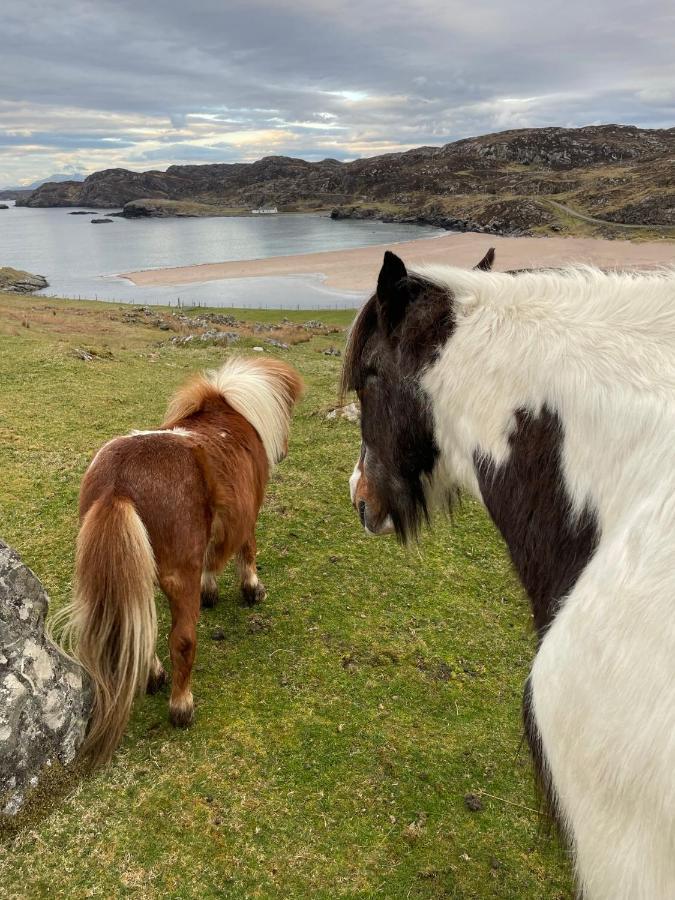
(217, 634)
(257, 623)
(350, 412)
(428, 872)
(415, 829)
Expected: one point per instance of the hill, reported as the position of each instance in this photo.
(527, 180)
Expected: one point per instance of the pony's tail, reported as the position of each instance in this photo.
(112, 620)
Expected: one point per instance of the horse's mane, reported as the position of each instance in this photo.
(362, 327)
(620, 298)
(263, 391)
(631, 313)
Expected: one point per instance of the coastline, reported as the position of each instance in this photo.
(356, 269)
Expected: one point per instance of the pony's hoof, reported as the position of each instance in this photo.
(182, 715)
(156, 681)
(209, 599)
(253, 593)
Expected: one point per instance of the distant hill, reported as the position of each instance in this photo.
(62, 176)
(522, 181)
(15, 193)
(18, 193)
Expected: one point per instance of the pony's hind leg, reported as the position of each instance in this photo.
(183, 591)
(214, 560)
(209, 589)
(157, 676)
(252, 589)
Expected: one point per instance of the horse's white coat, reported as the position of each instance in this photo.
(354, 479)
(599, 350)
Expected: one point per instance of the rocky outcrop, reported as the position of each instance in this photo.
(15, 281)
(450, 185)
(495, 219)
(18, 194)
(44, 694)
(163, 209)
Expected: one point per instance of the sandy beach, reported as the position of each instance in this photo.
(356, 269)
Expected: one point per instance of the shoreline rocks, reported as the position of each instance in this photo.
(15, 281)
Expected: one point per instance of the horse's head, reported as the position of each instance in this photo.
(396, 335)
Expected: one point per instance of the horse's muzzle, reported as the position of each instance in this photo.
(385, 526)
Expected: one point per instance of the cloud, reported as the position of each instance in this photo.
(103, 83)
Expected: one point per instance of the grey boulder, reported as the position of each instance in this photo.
(45, 697)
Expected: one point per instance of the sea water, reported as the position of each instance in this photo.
(84, 260)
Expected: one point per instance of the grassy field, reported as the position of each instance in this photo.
(340, 725)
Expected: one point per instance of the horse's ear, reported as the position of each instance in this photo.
(393, 293)
(485, 265)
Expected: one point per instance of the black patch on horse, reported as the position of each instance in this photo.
(526, 497)
(549, 545)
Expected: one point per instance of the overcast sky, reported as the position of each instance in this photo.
(90, 85)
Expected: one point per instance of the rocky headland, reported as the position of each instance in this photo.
(527, 181)
(15, 281)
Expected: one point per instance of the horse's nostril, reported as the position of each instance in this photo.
(362, 512)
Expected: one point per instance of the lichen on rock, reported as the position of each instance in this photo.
(45, 697)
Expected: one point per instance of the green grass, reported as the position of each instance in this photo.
(339, 726)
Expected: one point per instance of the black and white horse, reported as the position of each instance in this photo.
(550, 396)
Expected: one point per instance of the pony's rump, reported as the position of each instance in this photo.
(112, 616)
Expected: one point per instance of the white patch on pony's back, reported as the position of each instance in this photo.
(598, 350)
(170, 432)
(261, 398)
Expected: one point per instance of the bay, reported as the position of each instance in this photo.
(84, 260)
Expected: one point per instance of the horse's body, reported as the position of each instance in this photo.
(551, 397)
(172, 506)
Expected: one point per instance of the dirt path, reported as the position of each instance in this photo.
(666, 229)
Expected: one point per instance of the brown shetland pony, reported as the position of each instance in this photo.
(172, 506)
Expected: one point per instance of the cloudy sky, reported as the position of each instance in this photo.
(90, 85)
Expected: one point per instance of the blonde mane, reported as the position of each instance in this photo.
(263, 391)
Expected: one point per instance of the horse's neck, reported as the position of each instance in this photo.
(558, 442)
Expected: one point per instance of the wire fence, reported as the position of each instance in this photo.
(180, 303)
